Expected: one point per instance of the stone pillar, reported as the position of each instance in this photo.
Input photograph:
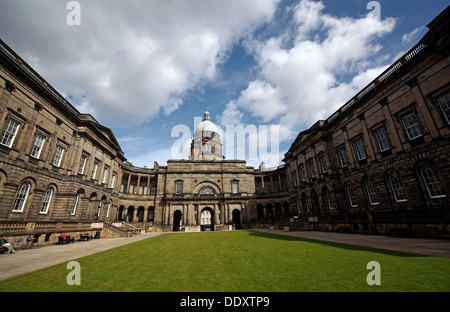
(138, 184)
(145, 214)
(135, 214)
(128, 183)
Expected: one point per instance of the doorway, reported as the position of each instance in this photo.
(177, 220)
(237, 219)
(207, 220)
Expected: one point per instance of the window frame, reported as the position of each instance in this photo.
(75, 204)
(178, 187)
(21, 199)
(12, 136)
(371, 193)
(447, 102)
(360, 148)
(415, 126)
(234, 184)
(82, 164)
(386, 138)
(351, 196)
(311, 169)
(323, 163)
(94, 171)
(437, 181)
(47, 200)
(57, 156)
(36, 150)
(394, 190)
(105, 174)
(342, 154)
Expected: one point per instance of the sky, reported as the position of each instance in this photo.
(148, 69)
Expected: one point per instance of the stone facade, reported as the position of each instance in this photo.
(379, 162)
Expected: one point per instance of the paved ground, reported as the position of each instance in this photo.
(421, 246)
(24, 261)
(28, 260)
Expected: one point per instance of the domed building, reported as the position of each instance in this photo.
(206, 144)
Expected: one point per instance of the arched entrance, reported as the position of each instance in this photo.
(120, 215)
(140, 214)
(151, 214)
(177, 220)
(130, 214)
(278, 211)
(207, 220)
(260, 210)
(237, 219)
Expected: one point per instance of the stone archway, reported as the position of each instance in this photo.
(207, 219)
(177, 216)
(260, 211)
(140, 214)
(237, 219)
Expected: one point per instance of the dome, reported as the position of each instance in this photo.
(206, 124)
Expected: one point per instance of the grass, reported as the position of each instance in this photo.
(240, 261)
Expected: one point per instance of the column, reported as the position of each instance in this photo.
(138, 184)
(128, 184)
(216, 219)
(222, 213)
(145, 214)
(135, 214)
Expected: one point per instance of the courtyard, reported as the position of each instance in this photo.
(237, 261)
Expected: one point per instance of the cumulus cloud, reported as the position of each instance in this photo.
(132, 59)
(329, 61)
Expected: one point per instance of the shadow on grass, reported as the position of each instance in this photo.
(334, 244)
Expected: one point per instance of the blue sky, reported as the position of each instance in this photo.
(143, 67)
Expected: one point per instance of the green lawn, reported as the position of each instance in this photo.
(240, 261)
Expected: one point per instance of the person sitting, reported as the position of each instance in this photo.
(4, 244)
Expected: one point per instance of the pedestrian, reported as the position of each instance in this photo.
(9, 246)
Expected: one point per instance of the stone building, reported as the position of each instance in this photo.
(381, 161)
(378, 164)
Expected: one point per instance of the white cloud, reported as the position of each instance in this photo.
(413, 35)
(329, 61)
(231, 115)
(131, 59)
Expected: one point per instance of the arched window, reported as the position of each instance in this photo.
(351, 196)
(432, 182)
(327, 197)
(371, 193)
(397, 188)
(22, 196)
(47, 200)
(207, 190)
(76, 202)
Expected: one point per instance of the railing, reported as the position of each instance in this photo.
(37, 227)
(417, 49)
(298, 224)
(12, 226)
(121, 232)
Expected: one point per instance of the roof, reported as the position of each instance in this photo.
(206, 124)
